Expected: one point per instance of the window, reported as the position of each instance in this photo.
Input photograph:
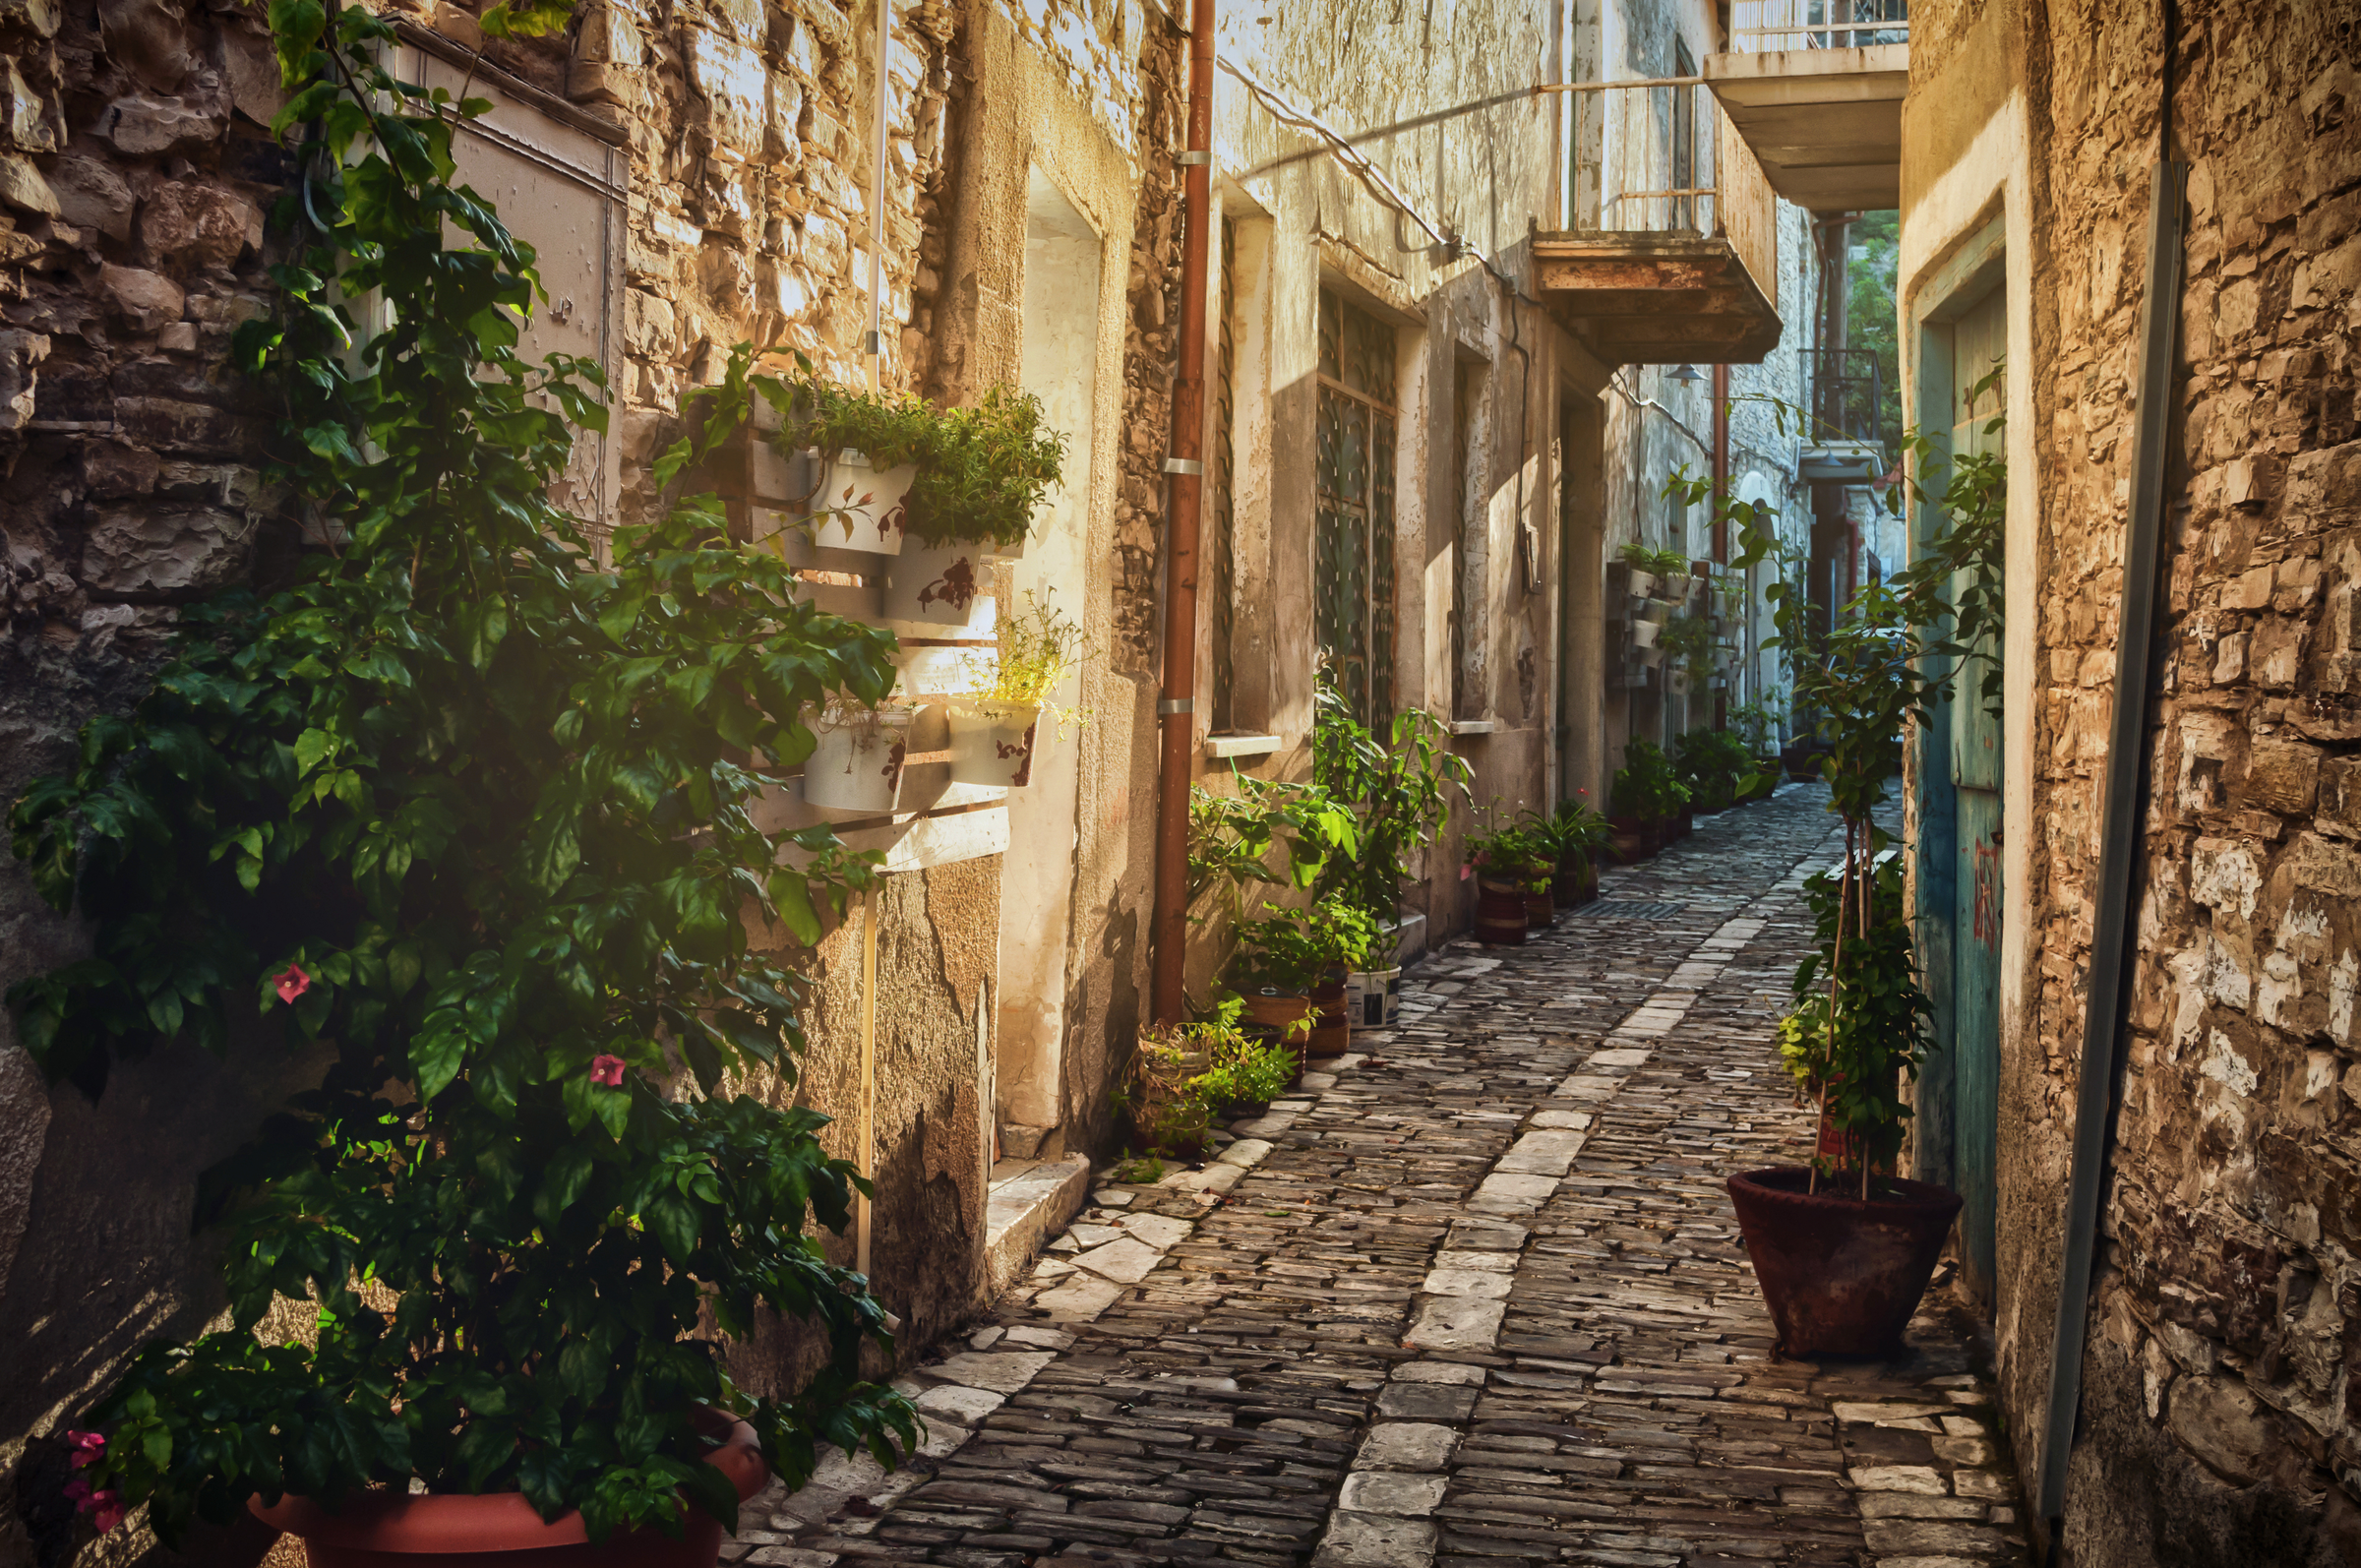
(1353, 564)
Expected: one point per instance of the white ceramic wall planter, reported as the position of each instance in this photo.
(858, 508)
(993, 743)
(946, 586)
(1643, 583)
(857, 764)
(1645, 633)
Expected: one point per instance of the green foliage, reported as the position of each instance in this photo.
(1291, 951)
(1756, 724)
(1872, 249)
(1184, 1075)
(1566, 837)
(1671, 564)
(1646, 785)
(1231, 836)
(1690, 638)
(1857, 1040)
(472, 816)
(1713, 765)
(1398, 787)
(983, 472)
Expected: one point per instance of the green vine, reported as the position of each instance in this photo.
(472, 816)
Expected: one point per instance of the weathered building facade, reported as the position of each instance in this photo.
(2220, 1417)
(1429, 440)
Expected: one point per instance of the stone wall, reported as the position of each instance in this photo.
(2222, 1413)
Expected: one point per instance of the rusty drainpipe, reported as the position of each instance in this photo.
(1176, 711)
(1721, 463)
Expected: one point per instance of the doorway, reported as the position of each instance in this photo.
(1963, 341)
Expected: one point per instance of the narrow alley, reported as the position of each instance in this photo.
(1475, 1296)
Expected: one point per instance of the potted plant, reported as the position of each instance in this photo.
(1843, 1249)
(1397, 786)
(1506, 861)
(1242, 1073)
(1711, 764)
(905, 479)
(996, 729)
(856, 758)
(1168, 1116)
(1569, 837)
(1289, 970)
(1644, 808)
(529, 1184)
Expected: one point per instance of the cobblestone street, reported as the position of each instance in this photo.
(1475, 1296)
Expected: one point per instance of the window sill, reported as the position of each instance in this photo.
(1218, 747)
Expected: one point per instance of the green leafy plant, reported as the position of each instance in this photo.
(1713, 765)
(1038, 646)
(1231, 836)
(1512, 851)
(1670, 563)
(1690, 638)
(981, 472)
(1399, 788)
(1757, 725)
(1291, 951)
(1568, 836)
(1865, 680)
(470, 816)
(1646, 785)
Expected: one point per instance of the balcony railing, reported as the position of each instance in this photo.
(1848, 394)
(1644, 158)
(1764, 27)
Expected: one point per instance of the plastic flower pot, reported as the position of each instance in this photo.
(1645, 633)
(1840, 1276)
(1501, 919)
(856, 763)
(991, 742)
(501, 1529)
(1649, 657)
(946, 584)
(864, 507)
(1373, 997)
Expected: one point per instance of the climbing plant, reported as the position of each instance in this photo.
(470, 815)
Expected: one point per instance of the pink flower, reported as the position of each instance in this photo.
(88, 1447)
(291, 982)
(78, 1490)
(107, 1510)
(606, 1069)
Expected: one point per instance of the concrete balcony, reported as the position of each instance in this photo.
(1656, 299)
(1815, 89)
(1672, 253)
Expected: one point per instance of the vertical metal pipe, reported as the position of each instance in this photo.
(868, 1072)
(874, 348)
(1720, 545)
(1175, 711)
(2119, 833)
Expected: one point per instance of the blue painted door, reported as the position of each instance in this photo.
(1979, 341)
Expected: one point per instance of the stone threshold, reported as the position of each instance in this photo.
(1029, 1202)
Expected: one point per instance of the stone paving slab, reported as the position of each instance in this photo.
(1475, 1295)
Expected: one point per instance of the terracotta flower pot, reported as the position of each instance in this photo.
(1500, 918)
(1841, 1277)
(1331, 1027)
(501, 1529)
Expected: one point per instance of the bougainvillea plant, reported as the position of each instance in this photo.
(470, 815)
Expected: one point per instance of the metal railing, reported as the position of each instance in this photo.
(1762, 27)
(1642, 157)
(1848, 394)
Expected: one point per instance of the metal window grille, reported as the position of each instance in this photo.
(1353, 564)
(1225, 491)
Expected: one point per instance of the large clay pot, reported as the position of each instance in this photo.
(1841, 1277)
(1500, 918)
(1278, 1011)
(501, 1529)
(1575, 883)
(1634, 840)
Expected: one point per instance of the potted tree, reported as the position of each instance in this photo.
(1843, 1249)
(1569, 837)
(470, 819)
(1399, 786)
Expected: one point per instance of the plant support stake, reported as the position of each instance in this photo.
(1188, 490)
(2119, 825)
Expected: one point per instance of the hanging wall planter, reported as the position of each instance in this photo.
(946, 586)
(859, 508)
(993, 743)
(857, 761)
(1643, 583)
(1645, 633)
